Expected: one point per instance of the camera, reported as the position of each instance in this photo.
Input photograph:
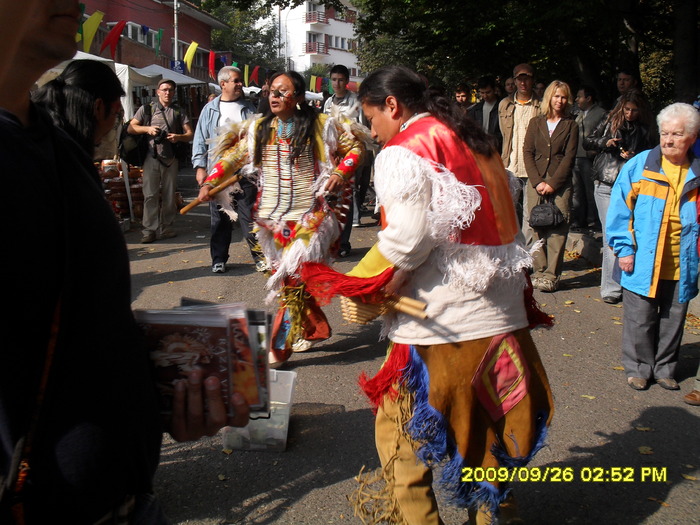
(160, 137)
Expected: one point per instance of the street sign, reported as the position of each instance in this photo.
(178, 66)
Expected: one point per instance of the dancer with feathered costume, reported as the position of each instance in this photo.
(303, 163)
(463, 386)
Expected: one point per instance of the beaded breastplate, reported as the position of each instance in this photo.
(287, 191)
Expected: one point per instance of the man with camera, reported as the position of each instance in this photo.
(167, 125)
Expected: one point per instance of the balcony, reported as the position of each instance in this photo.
(315, 48)
(315, 17)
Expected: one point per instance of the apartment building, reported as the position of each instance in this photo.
(312, 33)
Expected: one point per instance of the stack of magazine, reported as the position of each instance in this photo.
(224, 340)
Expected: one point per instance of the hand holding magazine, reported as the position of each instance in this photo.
(212, 338)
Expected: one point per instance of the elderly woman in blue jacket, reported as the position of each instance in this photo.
(652, 228)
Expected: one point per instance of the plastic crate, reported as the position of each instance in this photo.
(267, 433)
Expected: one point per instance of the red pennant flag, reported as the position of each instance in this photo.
(212, 59)
(254, 75)
(113, 37)
(319, 84)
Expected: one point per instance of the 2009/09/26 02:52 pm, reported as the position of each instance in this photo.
(565, 474)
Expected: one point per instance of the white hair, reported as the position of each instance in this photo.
(225, 73)
(683, 112)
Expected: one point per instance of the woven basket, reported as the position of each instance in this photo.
(357, 312)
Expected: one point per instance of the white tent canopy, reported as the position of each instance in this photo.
(178, 78)
(313, 96)
(130, 78)
(79, 55)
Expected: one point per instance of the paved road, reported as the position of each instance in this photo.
(599, 421)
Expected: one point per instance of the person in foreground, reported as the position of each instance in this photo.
(80, 431)
(290, 153)
(652, 229)
(448, 239)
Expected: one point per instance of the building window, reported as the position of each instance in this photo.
(142, 34)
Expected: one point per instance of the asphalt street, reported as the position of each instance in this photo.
(602, 434)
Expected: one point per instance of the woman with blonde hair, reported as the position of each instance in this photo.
(549, 151)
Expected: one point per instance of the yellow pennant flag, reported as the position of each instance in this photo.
(312, 84)
(189, 55)
(245, 75)
(90, 27)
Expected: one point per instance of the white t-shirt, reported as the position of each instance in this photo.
(231, 111)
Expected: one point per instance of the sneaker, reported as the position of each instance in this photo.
(356, 224)
(302, 345)
(167, 234)
(547, 286)
(218, 268)
(148, 238)
(261, 266)
(344, 252)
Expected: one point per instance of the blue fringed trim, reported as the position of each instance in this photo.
(428, 427)
(520, 461)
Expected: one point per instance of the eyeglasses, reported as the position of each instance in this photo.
(167, 90)
(280, 94)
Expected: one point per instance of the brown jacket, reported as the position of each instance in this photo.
(550, 159)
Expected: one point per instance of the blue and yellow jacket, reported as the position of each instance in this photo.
(638, 217)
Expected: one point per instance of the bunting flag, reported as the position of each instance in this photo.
(312, 83)
(159, 39)
(224, 59)
(245, 74)
(90, 27)
(319, 84)
(189, 55)
(145, 30)
(330, 88)
(254, 76)
(79, 34)
(212, 62)
(112, 38)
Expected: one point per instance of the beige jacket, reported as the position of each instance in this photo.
(506, 108)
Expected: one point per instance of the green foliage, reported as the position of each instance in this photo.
(578, 42)
(252, 37)
(317, 70)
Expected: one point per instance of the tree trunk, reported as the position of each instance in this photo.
(686, 58)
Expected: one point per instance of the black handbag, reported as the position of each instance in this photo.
(545, 215)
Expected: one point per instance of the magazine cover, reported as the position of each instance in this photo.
(183, 340)
(248, 378)
(260, 323)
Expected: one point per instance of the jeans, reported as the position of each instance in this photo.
(222, 227)
(583, 207)
(608, 286)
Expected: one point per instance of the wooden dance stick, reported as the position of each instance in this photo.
(212, 192)
(408, 306)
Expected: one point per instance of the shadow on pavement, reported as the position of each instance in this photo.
(652, 456)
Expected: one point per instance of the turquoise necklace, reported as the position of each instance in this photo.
(285, 130)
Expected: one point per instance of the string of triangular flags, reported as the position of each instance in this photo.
(88, 30)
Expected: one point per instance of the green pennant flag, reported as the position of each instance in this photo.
(159, 38)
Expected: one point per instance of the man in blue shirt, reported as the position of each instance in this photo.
(230, 106)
